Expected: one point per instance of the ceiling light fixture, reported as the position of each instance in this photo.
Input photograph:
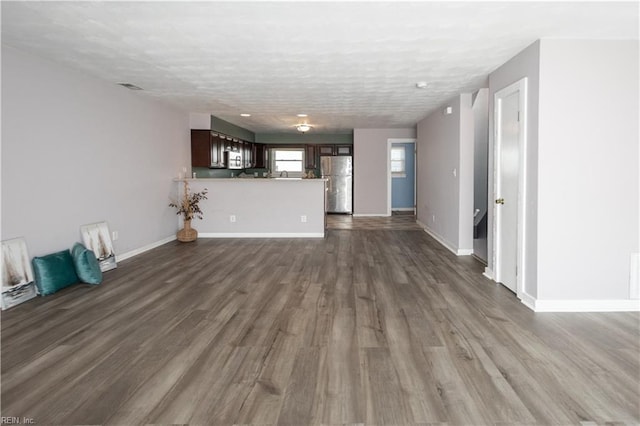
(421, 85)
(245, 115)
(302, 115)
(303, 128)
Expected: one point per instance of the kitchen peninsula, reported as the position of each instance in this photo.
(260, 207)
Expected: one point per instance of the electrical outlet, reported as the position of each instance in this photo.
(114, 235)
(303, 219)
(232, 218)
(433, 218)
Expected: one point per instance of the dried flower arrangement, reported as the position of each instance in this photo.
(189, 207)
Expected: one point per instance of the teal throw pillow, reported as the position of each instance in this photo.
(86, 264)
(54, 272)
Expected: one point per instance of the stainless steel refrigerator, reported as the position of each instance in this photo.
(338, 171)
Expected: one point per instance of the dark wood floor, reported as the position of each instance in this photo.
(363, 327)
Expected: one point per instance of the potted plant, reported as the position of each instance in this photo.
(189, 208)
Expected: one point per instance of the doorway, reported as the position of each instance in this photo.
(401, 176)
(509, 186)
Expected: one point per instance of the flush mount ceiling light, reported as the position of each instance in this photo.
(303, 128)
(245, 115)
(130, 86)
(421, 85)
(302, 115)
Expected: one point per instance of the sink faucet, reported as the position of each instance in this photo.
(286, 173)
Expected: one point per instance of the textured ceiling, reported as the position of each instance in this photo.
(346, 64)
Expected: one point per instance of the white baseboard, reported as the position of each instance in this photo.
(488, 272)
(587, 305)
(623, 305)
(528, 300)
(261, 235)
(443, 242)
(127, 255)
(370, 215)
(135, 252)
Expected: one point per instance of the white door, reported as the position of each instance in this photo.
(507, 201)
(509, 212)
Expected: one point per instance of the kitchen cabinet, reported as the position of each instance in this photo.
(335, 149)
(326, 149)
(343, 150)
(247, 154)
(260, 156)
(310, 156)
(206, 150)
(200, 148)
(217, 148)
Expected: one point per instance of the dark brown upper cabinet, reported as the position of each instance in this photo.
(326, 150)
(260, 154)
(310, 156)
(247, 155)
(335, 149)
(206, 149)
(343, 150)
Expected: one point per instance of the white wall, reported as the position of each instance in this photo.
(370, 184)
(480, 151)
(77, 150)
(199, 121)
(465, 175)
(262, 207)
(480, 170)
(445, 199)
(525, 64)
(588, 168)
(582, 170)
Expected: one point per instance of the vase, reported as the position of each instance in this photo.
(187, 234)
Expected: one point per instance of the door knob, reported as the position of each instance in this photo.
(500, 201)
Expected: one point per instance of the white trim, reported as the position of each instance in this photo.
(444, 243)
(135, 252)
(371, 215)
(390, 142)
(528, 301)
(261, 235)
(521, 87)
(615, 305)
(488, 272)
(441, 240)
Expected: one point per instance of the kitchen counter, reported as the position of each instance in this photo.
(259, 207)
(251, 179)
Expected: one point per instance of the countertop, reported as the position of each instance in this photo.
(236, 179)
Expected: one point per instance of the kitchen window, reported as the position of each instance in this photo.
(398, 162)
(289, 160)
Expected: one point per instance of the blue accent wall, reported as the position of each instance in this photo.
(402, 189)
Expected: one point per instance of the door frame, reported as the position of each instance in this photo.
(390, 142)
(521, 87)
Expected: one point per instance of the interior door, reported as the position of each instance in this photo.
(507, 190)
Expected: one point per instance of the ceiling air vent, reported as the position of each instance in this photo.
(130, 86)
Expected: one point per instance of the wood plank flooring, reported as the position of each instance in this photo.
(397, 221)
(366, 326)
